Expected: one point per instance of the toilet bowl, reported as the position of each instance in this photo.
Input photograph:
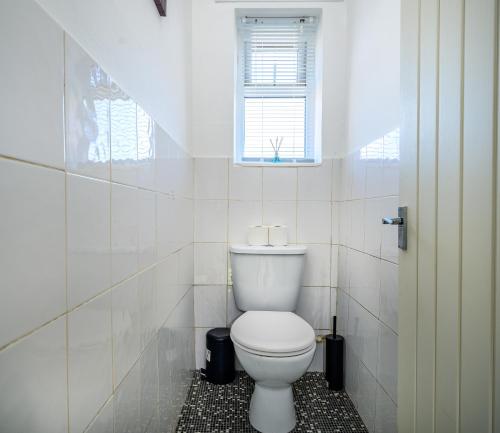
(275, 348)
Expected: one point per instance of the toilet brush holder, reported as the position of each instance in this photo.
(334, 362)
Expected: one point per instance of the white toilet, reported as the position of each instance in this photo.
(274, 345)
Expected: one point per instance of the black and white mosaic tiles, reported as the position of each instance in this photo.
(224, 408)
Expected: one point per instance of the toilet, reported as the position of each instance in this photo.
(272, 343)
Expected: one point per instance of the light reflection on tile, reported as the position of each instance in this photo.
(87, 114)
(123, 113)
(145, 150)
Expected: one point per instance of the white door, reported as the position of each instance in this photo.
(449, 296)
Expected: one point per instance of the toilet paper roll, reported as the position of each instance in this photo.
(278, 235)
(258, 235)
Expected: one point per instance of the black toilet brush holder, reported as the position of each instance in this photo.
(334, 362)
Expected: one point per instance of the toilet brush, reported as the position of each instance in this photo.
(334, 362)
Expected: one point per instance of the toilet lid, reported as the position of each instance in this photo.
(272, 333)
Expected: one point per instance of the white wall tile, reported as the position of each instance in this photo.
(344, 271)
(32, 257)
(126, 327)
(32, 86)
(281, 213)
(314, 222)
(88, 150)
(127, 403)
(148, 297)
(186, 265)
(333, 302)
(164, 161)
(185, 174)
(210, 306)
(210, 263)
(280, 183)
(30, 371)
(390, 177)
(365, 280)
(345, 223)
(374, 180)
(387, 370)
(346, 179)
(385, 413)
(245, 183)
(210, 221)
(170, 289)
(210, 178)
(146, 150)
(314, 306)
(389, 294)
(103, 422)
(318, 362)
(367, 298)
(200, 346)
(232, 312)
(90, 357)
(366, 399)
(336, 180)
(149, 382)
(373, 226)
(166, 229)
(167, 277)
(124, 232)
(314, 183)
(123, 132)
(241, 215)
(184, 221)
(352, 374)
(317, 266)
(363, 334)
(334, 267)
(391, 168)
(389, 247)
(89, 231)
(342, 312)
(335, 223)
(111, 235)
(358, 177)
(147, 228)
(357, 237)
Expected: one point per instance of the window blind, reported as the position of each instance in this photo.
(276, 74)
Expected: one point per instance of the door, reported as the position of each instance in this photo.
(448, 344)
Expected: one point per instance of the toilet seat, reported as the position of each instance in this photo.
(273, 334)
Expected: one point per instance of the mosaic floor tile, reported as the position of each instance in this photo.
(224, 408)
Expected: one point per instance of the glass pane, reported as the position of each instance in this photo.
(274, 122)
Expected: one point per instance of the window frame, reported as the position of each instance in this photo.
(312, 137)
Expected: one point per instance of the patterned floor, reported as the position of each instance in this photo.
(224, 408)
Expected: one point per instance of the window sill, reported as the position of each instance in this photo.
(276, 165)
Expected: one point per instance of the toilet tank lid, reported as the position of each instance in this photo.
(253, 249)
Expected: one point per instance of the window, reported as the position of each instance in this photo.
(276, 88)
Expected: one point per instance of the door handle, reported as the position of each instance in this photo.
(401, 222)
(393, 221)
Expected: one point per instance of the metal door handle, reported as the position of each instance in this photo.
(401, 222)
(393, 221)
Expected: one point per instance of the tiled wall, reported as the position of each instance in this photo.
(96, 257)
(228, 199)
(367, 300)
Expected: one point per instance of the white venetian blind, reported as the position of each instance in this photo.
(276, 73)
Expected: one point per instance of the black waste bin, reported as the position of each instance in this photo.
(219, 357)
